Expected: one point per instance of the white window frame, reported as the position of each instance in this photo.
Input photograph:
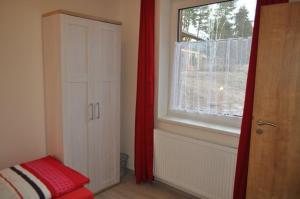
(215, 122)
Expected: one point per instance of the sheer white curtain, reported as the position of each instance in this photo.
(210, 76)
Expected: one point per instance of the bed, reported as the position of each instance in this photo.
(45, 178)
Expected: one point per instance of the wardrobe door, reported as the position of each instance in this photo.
(104, 139)
(76, 45)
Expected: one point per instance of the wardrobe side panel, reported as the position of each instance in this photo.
(52, 85)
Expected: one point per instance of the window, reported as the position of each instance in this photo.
(210, 61)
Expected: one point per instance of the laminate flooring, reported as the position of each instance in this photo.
(128, 189)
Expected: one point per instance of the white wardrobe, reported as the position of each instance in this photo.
(82, 59)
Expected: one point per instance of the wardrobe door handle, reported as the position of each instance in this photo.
(91, 107)
(98, 110)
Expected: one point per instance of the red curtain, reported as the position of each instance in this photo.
(240, 183)
(144, 118)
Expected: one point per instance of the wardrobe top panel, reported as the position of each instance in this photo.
(85, 16)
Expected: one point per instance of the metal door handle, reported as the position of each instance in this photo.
(262, 123)
(91, 105)
(98, 109)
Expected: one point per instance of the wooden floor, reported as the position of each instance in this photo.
(127, 189)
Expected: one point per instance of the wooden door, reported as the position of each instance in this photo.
(274, 168)
(104, 139)
(76, 45)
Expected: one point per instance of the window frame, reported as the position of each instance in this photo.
(198, 119)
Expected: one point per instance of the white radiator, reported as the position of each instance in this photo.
(197, 167)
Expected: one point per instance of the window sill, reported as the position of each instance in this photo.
(231, 131)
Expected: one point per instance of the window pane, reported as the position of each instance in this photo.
(230, 19)
(211, 58)
(210, 76)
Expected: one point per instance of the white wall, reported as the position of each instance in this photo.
(130, 14)
(22, 126)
